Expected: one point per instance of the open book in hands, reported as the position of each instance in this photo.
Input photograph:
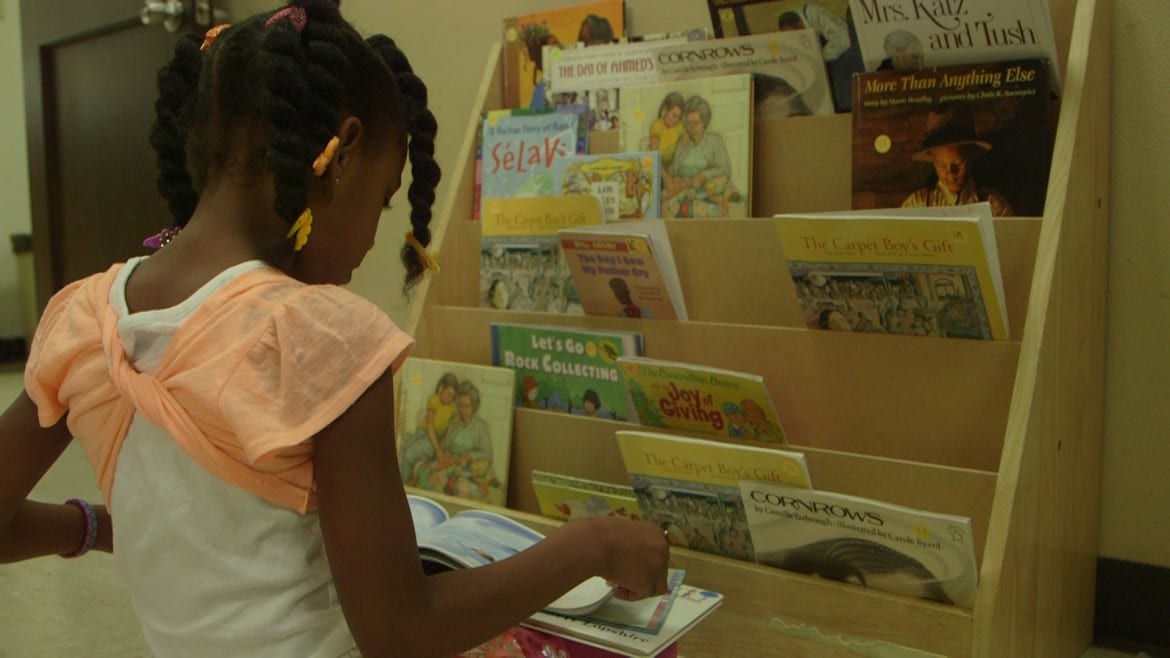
(474, 538)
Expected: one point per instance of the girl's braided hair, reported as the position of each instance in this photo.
(268, 97)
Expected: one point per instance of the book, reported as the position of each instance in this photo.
(790, 60)
(703, 128)
(835, 38)
(567, 369)
(566, 498)
(868, 542)
(626, 184)
(525, 36)
(696, 398)
(644, 616)
(691, 605)
(690, 486)
(624, 270)
(521, 264)
(909, 34)
(539, 184)
(920, 272)
(953, 135)
(518, 149)
(454, 428)
(474, 538)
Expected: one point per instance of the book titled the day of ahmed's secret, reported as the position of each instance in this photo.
(690, 486)
(867, 542)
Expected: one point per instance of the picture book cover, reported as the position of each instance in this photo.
(703, 129)
(566, 498)
(863, 541)
(454, 428)
(691, 606)
(568, 369)
(521, 264)
(526, 35)
(924, 272)
(954, 135)
(830, 20)
(625, 270)
(903, 35)
(519, 148)
(695, 398)
(644, 615)
(690, 486)
(474, 538)
(790, 62)
(626, 184)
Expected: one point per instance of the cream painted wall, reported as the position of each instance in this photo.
(447, 41)
(15, 212)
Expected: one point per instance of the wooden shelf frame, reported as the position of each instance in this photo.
(1008, 433)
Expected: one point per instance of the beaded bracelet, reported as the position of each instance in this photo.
(91, 528)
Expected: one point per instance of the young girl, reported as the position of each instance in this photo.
(233, 399)
(667, 128)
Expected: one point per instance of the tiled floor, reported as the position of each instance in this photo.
(53, 608)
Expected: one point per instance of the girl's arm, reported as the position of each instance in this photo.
(391, 607)
(29, 529)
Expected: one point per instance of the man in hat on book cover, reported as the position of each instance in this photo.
(951, 145)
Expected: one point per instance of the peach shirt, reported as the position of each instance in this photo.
(261, 366)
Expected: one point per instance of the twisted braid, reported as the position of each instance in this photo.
(425, 172)
(177, 82)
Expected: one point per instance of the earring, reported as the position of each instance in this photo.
(337, 181)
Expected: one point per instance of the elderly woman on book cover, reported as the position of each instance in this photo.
(951, 145)
(697, 183)
(464, 468)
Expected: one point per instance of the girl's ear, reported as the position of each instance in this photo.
(349, 134)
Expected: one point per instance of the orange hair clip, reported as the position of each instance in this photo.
(428, 261)
(211, 35)
(326, 156)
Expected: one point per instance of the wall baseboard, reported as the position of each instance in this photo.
(13, 349)
(1132, 603)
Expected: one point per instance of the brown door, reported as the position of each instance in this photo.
(90, 68)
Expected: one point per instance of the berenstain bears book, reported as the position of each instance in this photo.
(626, 184)
(521, 264)
(703, 129)
(566, 369)
(625, 270)
(690, 486)
(953, 135)
(695, 398)
(526, 35)
(454, 428)
(866, 542)
(902, 35)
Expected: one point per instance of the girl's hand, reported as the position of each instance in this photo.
(636, 555)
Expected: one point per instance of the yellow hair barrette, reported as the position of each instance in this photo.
(429, 262)
(301, 229)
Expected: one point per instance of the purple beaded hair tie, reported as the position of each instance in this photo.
(160, 239)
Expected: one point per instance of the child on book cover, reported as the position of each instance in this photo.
(667, 128)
